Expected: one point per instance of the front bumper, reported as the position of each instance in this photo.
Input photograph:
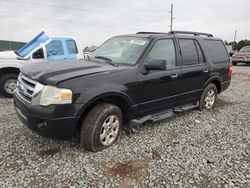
(241, 59)
(52, 121)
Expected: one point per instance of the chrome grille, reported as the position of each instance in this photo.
(25, 87)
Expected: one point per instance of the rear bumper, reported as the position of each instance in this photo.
(225, 85)
(43, 121)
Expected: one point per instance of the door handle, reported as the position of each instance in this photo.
(174, 76)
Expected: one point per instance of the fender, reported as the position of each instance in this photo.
(113, 93)
(212, 78)
(13, 64)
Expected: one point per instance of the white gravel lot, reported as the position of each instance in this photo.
(195, 149)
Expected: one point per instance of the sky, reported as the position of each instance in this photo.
(94, 21)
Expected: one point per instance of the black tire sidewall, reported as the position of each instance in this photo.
(91, 127)
(103, 117)
(203, 96)
(3, 80)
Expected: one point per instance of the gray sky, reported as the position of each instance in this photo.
(94, 21)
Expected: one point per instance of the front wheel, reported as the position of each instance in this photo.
(101, 127)
(208, 97)
(8, 84)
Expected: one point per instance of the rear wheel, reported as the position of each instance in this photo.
(101, 127)
(234, 63)
(208, 97)
(8, 84)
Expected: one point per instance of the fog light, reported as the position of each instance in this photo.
(42, 125)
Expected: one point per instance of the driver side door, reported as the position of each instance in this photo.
(159, 89)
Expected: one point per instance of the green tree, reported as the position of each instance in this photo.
(243, 43)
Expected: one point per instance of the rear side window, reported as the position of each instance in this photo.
(55, 47)
(188, 52)
(217, 51)
(71, 46)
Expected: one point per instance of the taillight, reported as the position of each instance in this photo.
(230, 70)
(248, 55)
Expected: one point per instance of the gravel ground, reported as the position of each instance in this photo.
(195, 149)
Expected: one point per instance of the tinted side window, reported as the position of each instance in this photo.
(188, 52)
(216, 51)
(71, 46)
(38, 54)
(164, 49)
(55, 47)
(200, 52)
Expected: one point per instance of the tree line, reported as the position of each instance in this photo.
(238, 45)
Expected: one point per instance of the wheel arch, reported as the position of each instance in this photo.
(8, 70)
(216, 81)
(117, 98)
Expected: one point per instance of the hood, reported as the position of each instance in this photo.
(56, 72)
(241, 53)
(8, 55)
(37, 42)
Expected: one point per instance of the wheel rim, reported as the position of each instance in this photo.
(109, 130)
(10, 86)
(210, 99)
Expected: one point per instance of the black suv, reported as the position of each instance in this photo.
(130, 78)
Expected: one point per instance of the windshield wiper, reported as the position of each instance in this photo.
(107, 60)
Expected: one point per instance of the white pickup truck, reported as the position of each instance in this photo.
(40, 49)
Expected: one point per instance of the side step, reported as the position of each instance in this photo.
(163, 115)
(154, 117)
(185, 108)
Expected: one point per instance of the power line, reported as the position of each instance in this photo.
(77, 8)
(117, 6)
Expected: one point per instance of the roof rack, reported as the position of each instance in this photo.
(146, 32)
(190, 33)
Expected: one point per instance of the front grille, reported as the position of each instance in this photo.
(25, 87)
(240, 57)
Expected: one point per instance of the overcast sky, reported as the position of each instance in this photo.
(94, 21)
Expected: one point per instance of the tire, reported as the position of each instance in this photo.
(234, 63)
(92, 134)
(208, 97)
(10, 80)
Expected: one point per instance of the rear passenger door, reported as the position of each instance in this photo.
(195, 69)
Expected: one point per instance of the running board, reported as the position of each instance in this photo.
(162, 115)
(185, 108)
(154, 117)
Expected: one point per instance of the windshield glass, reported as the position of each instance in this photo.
(124, 50)
(245, 49)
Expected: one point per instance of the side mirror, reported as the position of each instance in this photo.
(155, 64)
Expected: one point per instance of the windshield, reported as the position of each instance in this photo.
(123, 50)
(245, 49)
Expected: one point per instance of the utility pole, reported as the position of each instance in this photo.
(172, 18)
(235, 33)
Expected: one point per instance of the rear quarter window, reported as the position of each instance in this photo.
(217, 51)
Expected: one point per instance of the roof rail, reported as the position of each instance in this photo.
(146, 32)
(190, 33)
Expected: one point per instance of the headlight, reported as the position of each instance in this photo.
(53, 95)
